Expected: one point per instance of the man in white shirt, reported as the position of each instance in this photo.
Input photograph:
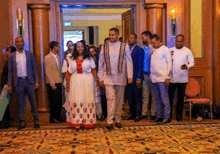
(115, 66)
(160, 76)
(183, 60)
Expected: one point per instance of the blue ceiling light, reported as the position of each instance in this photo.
(65, 6)
(73, 6)
(80, 6)
(94, 6)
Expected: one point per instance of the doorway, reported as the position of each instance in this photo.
(93, 23)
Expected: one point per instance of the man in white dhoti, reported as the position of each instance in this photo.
(115, 66)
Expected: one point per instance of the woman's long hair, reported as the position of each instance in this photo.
(85, 52)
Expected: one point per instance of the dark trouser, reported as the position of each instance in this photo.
(134, 96)
(55, 98)
(180, 98)
(63, 110)
(103, 101)
(25, 88)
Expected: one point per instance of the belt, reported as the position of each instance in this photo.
(23, 77)
(146, 73)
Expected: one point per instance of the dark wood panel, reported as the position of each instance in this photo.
(216, 51)
(127, 24)
(5, 30)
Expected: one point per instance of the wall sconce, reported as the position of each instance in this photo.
(20, 19)
(173, 21)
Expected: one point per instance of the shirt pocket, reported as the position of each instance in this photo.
(183, 73)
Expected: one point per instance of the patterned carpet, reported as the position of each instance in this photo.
(158, 139)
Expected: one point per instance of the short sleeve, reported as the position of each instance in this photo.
(92, 63)
(64, 68)
(72, 68)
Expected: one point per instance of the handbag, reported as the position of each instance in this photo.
(4, 101)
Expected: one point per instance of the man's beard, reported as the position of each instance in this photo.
(179, 47)
(145, 42)
(131, 44)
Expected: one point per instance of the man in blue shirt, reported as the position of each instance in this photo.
(147, 91)
(23, 77)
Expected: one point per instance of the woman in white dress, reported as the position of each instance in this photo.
(80, 78)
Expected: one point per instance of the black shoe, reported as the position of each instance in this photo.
(4, 125)
(20, 127)
(143, 117)
(102, 118)
(62, 119)
(55, 121)
(129, 117)
(118, 125)
(153, 118)
(179, 119)
(158, 120)
(36, 126)
(166, 121)
(137, 119)
(110, 126)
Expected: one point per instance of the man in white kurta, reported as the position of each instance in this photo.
(160, 76)
(182, 60)
(115, 81)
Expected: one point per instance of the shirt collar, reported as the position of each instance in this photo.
(150, 46)
(55, 55)
(114, 42)
(133, 47)
(161, 44)
(19, 52)
(147, 47)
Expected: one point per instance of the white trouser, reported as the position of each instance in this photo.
(115, 100)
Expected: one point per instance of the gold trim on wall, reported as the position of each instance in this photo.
(196, 28)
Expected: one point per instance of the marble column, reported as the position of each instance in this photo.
(41, 47)
(154, 19)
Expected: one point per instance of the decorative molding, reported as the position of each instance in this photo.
(44, 6)
(150, 6)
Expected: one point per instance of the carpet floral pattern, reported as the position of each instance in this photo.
(161, 139)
